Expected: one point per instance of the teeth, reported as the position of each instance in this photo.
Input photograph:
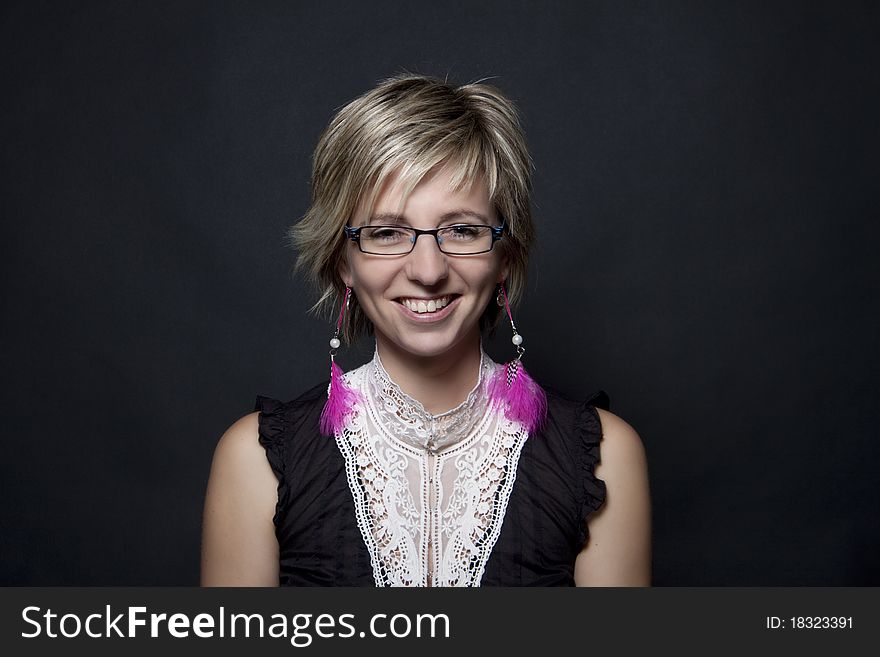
(421, 306)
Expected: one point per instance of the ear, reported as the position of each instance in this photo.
(505, 268)
(345, 271)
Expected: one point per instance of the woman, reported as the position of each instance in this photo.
(430, 465)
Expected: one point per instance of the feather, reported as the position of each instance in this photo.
(340, 402)
(522, 398)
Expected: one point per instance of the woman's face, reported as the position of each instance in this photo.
(382, 283)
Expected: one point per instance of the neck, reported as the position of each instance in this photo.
(439, 382)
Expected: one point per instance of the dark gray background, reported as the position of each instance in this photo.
(706, 202)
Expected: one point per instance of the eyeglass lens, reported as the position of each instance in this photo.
(462, 239)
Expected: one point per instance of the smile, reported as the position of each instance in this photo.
(428, 309)
(426, 305)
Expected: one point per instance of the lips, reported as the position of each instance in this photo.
(418, 308)
(423, 305)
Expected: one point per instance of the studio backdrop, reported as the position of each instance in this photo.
(706, 203)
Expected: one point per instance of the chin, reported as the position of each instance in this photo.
(426, 350)
(431, 345)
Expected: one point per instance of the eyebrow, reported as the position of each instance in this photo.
(393, 219)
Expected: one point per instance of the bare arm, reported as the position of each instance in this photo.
(618, 552)
(239, 547)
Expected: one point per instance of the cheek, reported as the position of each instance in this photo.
(487, 274)
(371, 278)
(482, 281)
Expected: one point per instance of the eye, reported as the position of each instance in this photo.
(386, 234)
(464, 231)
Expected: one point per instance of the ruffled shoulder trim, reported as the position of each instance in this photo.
(278, 423)
(589, 428)
(272, 425)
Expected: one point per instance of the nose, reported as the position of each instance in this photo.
(426, 263)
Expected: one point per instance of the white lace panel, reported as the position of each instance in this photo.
(430, 492)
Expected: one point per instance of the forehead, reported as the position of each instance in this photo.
(438, 190)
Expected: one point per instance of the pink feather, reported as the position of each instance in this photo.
(523, 400)
(340, 402)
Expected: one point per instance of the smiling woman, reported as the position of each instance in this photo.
(430, 465)
(394, 287)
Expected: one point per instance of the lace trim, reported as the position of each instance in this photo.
(386, 512)
(475, 513)
(429, 517)
(407, 419)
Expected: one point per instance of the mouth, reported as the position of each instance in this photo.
(428, 309)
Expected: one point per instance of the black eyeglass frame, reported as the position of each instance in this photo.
(354, 234)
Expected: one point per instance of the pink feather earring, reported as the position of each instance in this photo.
(521, 397)
(340, 398)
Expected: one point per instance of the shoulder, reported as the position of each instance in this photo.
(621, 444)
(592, 415)
(623, 464)
(618, 552)
(241, 430)
(238, 452)
(238, 535)
(240, 473)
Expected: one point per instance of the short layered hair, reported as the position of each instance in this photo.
(407, 126)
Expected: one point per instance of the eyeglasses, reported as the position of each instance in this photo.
(459, 239)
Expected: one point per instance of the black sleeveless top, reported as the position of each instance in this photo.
(543, 530)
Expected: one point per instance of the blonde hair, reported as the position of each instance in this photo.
(406, 126)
